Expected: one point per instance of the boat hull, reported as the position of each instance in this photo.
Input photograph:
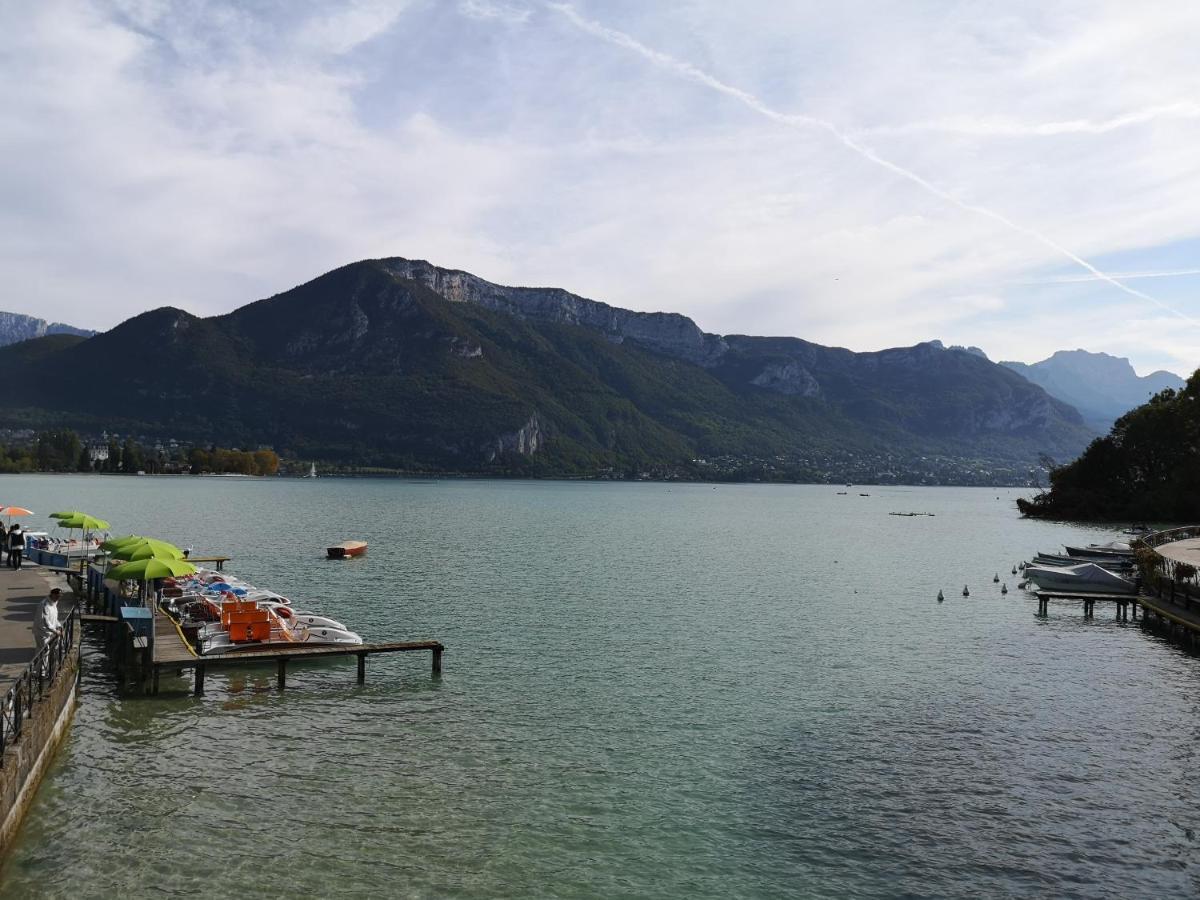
(347, 549)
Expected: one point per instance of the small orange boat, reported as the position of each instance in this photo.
(347, 549)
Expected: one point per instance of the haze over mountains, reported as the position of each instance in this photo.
(400, 363)
(1102, 387)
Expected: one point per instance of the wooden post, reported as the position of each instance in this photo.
(282, 676)
(437, 660)
(199, 681)
(154, 687)
(362, 668)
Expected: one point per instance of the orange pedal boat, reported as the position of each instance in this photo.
(347, 549)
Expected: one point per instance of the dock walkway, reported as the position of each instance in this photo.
(20, 593)
(1126, 603)
(172, 653)
(1185, 551)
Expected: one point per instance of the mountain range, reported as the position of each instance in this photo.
(400, 363)
(15, 327)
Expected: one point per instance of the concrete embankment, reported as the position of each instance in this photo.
(36, 712)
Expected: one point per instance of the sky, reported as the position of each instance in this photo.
(1018, 176)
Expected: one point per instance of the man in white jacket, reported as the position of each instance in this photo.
(46, 623)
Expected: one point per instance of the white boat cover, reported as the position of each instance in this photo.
(1085, 578)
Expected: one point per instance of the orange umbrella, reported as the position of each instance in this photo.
(11, 511)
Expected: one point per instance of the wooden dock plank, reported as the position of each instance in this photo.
(1173, 612)
(170, 651)
(1064, 595)
(298, 652)
(169, 646)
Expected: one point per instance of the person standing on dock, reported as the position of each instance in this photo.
(46, 623)
(3, 542)
(16, 546)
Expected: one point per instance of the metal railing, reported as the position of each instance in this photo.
(37, 679)
(1158, 538)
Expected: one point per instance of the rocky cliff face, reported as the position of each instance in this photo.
(669, 333)
(928, 388)
(16, 327)
(526, 440)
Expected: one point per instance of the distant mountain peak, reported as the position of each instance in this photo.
(15, 327)
(1101, 386)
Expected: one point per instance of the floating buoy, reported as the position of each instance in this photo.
(996, 578)
(966, 593)
(1004, 588)
(1022, 585)
(941, 596)
(1014, 570)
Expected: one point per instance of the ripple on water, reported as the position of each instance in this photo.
(648, 692)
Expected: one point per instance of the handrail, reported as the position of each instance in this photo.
(33, 683)
(1170, 535)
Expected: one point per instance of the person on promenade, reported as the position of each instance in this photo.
(46, 623)
(3, 542)
(16, 546)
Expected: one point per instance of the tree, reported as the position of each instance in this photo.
(85, 460)
(266, 462)
(57, 451)
(131, 457)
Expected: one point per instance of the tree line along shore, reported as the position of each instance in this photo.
(63, 450)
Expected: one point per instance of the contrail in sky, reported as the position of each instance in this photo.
(998, 127)
(692, 73)
(1123, 276)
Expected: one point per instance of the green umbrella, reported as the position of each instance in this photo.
(84, 521)
(114, 543)
(147, 550)
(149, 569)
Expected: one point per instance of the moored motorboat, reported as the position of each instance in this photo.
(1112, 548)
(1086, 578)
(347, 549)
(1113, 564)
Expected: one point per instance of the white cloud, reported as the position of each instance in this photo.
(489, 9)
(160, 151)
(351, 26)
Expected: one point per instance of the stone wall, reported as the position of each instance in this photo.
(27, 759)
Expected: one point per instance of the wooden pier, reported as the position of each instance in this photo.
(1127, 604)
(172, 653)
(158, 645)
(217, 561)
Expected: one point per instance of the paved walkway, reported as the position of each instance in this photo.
(20, 594)
(1186, 551)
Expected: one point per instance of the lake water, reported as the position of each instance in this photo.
(649, 691)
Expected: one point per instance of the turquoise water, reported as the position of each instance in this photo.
(649, 691)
